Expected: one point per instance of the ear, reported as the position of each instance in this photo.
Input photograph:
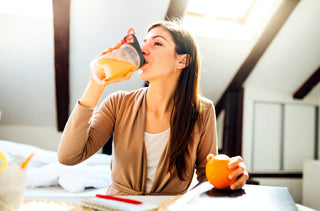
(182, 61)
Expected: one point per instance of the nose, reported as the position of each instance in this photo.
(145, 49)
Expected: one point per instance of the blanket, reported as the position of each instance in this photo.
(45, 170)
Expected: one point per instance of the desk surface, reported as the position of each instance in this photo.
(250, 197)
(57, 193)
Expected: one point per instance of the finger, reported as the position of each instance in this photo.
(209, 157)
(238, 171)
(240, 182)
(128, 75)
(234, 162)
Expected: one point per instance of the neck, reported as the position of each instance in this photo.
(160, 98)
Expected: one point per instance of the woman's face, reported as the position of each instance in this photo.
(159, 52)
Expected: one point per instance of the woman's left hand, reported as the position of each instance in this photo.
(239, 172)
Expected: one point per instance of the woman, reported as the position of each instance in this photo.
(162, 132)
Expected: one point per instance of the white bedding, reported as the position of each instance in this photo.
(44, 170)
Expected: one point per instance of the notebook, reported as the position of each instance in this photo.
(106, 204)
(250, 197)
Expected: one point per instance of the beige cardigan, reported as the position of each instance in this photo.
(123, 113)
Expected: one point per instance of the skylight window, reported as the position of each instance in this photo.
(230, 19)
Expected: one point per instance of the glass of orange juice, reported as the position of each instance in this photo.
(12, 185)
(121, 60)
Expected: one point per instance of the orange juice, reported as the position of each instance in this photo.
(116, 68)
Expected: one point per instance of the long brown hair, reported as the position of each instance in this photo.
(186, 100)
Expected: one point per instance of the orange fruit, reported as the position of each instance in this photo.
(217, 171)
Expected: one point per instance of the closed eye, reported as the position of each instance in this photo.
(158, 44)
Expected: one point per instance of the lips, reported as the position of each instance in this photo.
(145, 63)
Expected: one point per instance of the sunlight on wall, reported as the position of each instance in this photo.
(32, 8)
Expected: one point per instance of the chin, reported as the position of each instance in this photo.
(142, 74)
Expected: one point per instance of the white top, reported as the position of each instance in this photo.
(155, 143)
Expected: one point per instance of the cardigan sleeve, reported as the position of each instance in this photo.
(208, 141)
(87, 131)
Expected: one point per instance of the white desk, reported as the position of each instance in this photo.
(56, 193)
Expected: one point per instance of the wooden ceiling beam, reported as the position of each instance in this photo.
(61, 19)
(176, 9)
(271, 30)
(308, 85)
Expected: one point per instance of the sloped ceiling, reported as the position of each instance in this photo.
(288, 62)
(294, 54)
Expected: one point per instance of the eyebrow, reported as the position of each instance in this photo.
(156, 36)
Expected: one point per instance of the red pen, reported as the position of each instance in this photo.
(131, 201)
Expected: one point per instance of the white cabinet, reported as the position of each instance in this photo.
(299, 136)
(267, 137)
(283, 136)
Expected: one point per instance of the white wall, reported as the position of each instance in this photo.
(26, 71)
(41, 136)
(27, 100)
